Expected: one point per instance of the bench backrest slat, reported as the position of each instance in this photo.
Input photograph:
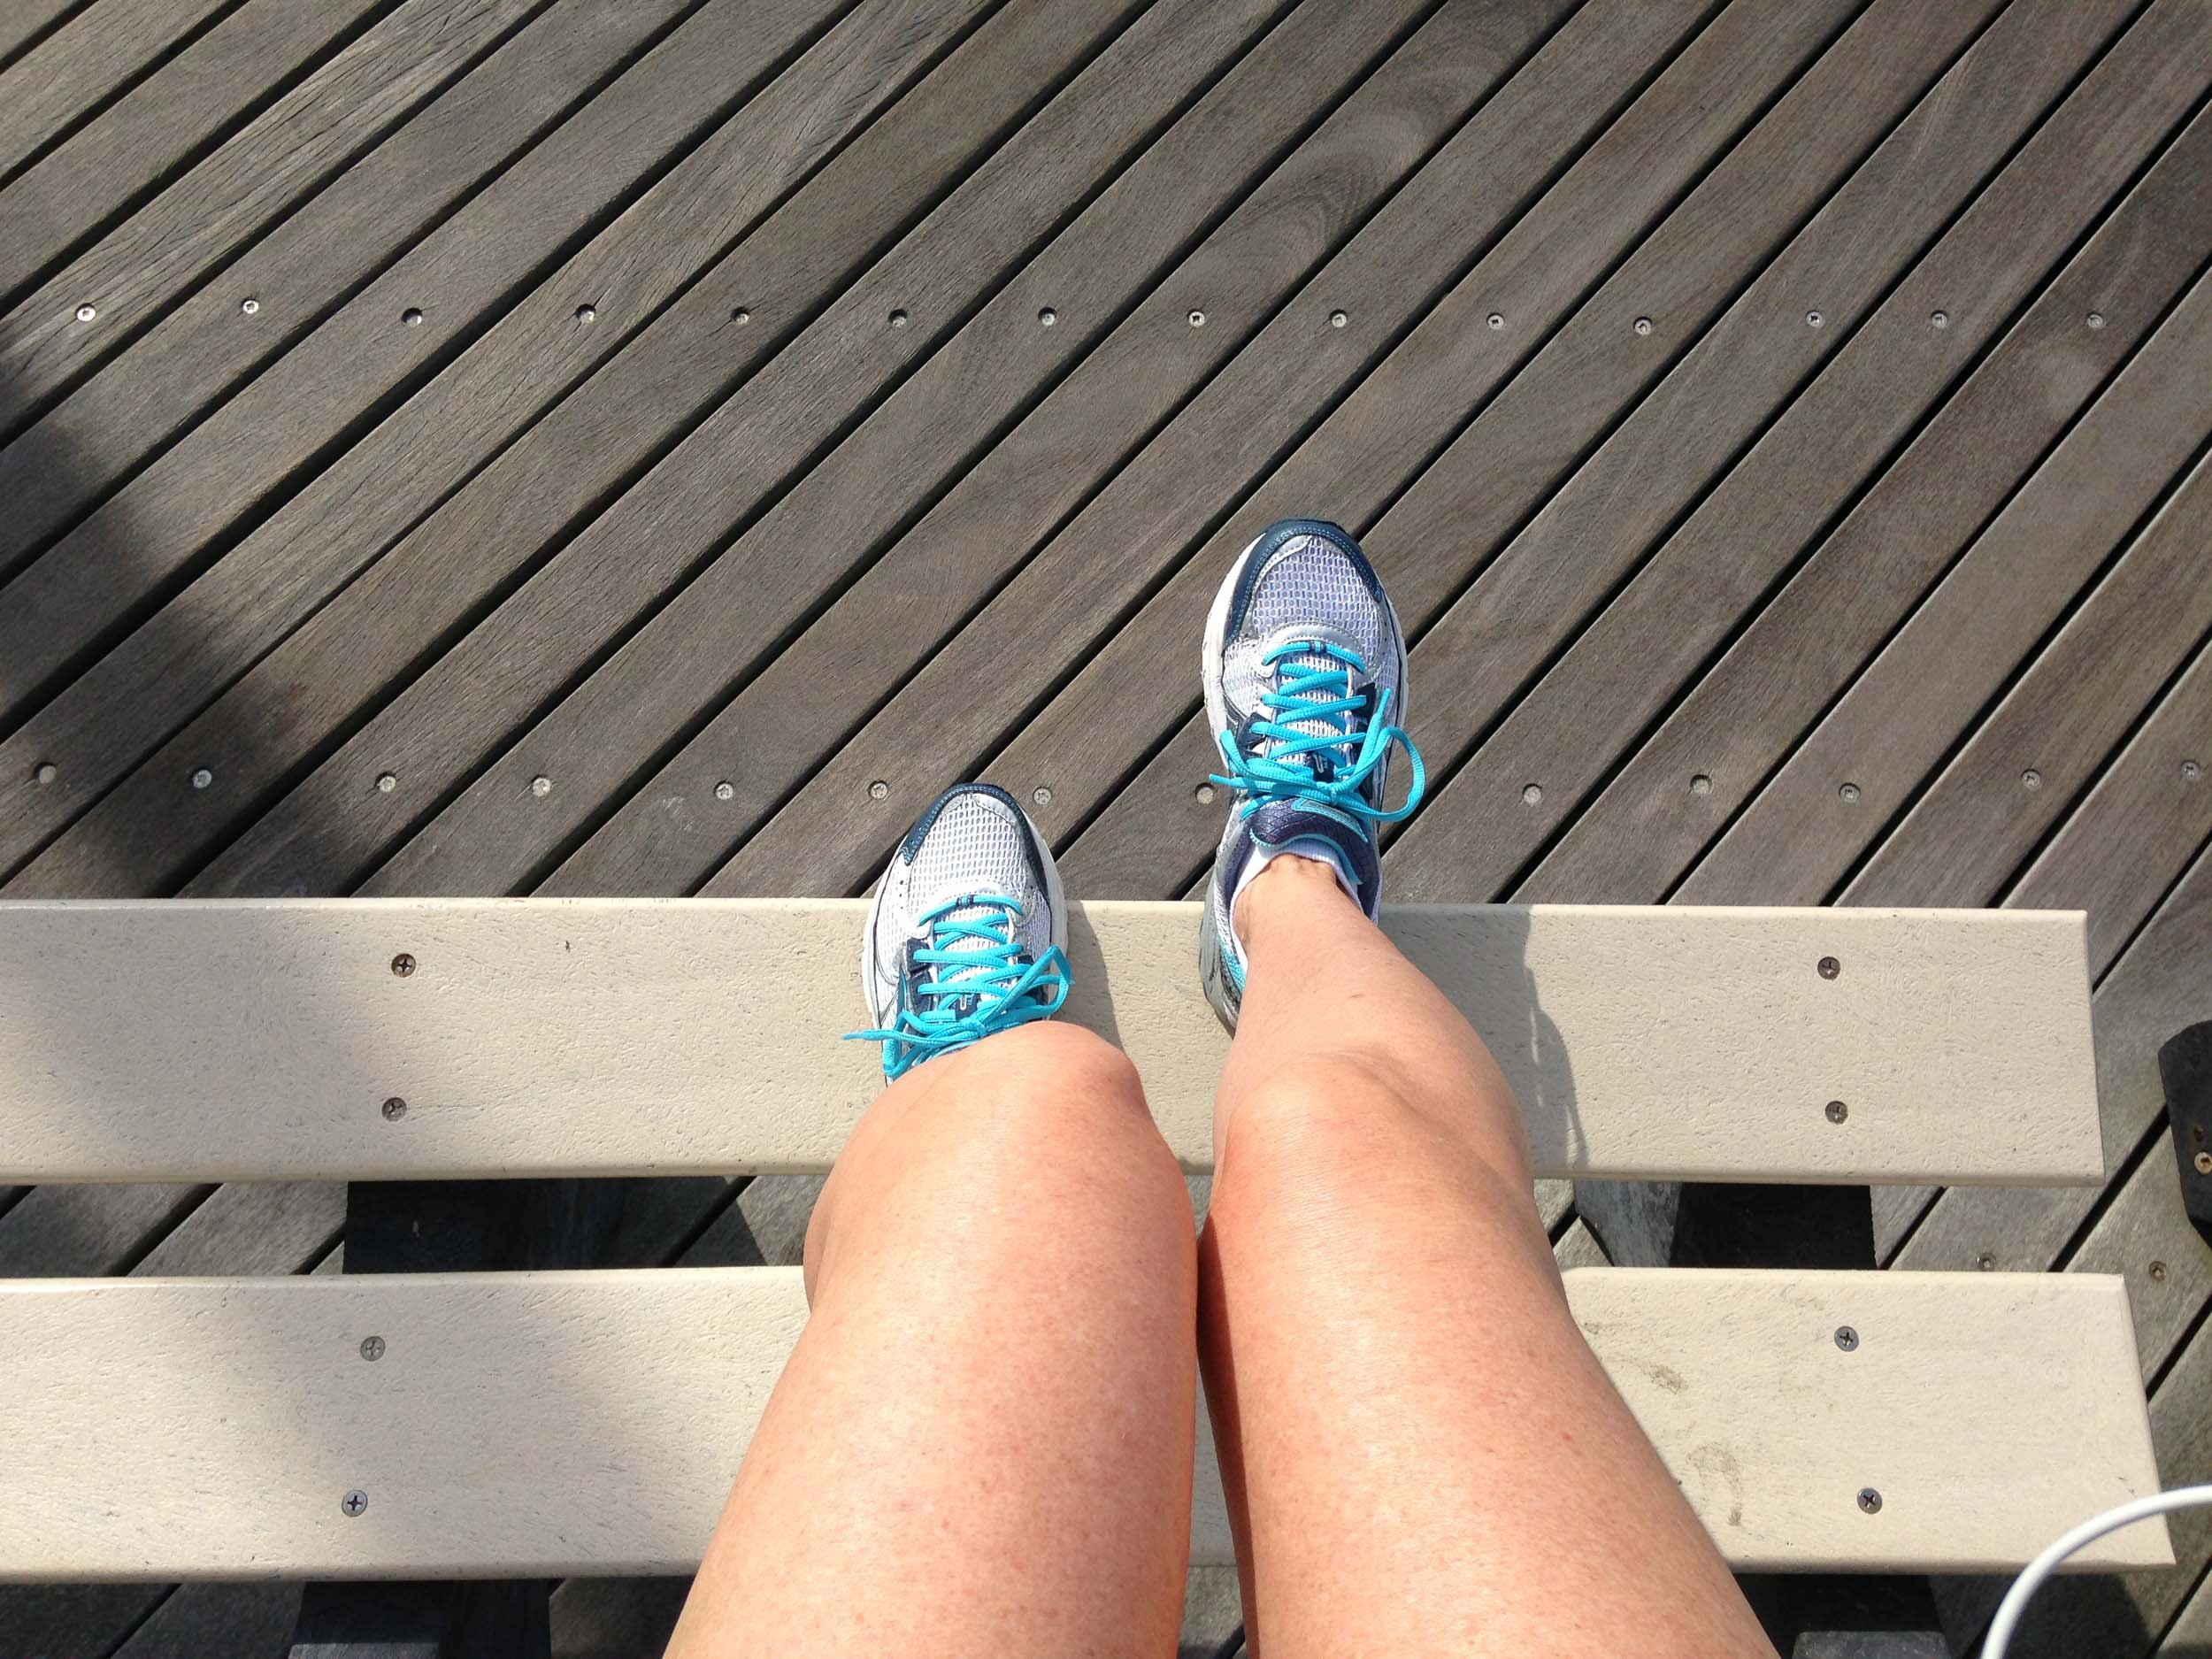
(173, 1040)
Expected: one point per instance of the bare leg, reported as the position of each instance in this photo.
(982, 1442)
(1423, 1455)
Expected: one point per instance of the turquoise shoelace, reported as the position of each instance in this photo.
(969, 994)
(1303, 694)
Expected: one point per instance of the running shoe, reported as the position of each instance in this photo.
(1305, 676)
(968, 932)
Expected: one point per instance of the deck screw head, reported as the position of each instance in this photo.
(411, 316)
(1340, 319)
(1643, 324)
(1042, 796)
(202, 778)
(1700, 783)
(1829, 967)
(2203, 1163)
(395, 1109)
(252, 307)
(1813, 319)
(1496, 319)
(1204, 795)
(2191, 771)
(1870, 1501)
(725, 790)
(1837, 1111)
(1939, 319)
(2158, 1273)
(387, 781)
(354, 1501)
(2096, 320)
(1532, 793)
(899, 318)
(86, 313)
(1197, 319)
(1848, 794)
(740, 316)
(587, 313)
(371, 1348)
(541, 786)
(44, 773)
(1047, 316)
(1847, 1339)
(403, 965)
(2031, 779)
(878, 790)
(1986, 1262)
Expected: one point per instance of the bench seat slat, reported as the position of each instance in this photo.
(539, 1424)
(225, 1040)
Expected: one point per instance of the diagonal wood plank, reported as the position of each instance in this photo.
(919, 443)
(2028, 1416)
(1701, 249)
(1642, 648)
(658, 1036)
(821, 360)
(1739, 723)
(1647, 472)
(1049, 617)
(68, 77)
(289, 845)
(167, 524)
(730, 617)
(198, 353)
(1960, 647)
(135, 273)
(191, 101)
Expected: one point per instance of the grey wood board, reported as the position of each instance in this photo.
(168, 520)
(2190, 1635)
(198, 353)
(1985, 813)
(1124, 250)
(672, 811)
(1622, 671)
(1893, 726)
(782, 275)
(1649, 469)
(192, 100)
(2158, 792)
(138, 694)
(137, 271)
(70, 74)
(2145, 1236)
(1739, 723)
(673, 830)
(1629, 168)
(27, 22)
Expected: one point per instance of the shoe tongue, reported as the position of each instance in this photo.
(1321, 763)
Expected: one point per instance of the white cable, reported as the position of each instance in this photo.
(2028, 1583)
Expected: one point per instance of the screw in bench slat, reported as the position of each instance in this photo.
(355, 1501)
(1869, 1499)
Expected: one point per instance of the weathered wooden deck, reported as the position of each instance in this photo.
(651, 446)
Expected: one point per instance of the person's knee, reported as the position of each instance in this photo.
(1349, 1128)
(1049, 1096)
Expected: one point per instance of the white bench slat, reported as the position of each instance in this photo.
(221, 1040)
(538, 1424)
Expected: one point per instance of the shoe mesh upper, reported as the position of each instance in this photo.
(974, 846)
(1308, 584)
